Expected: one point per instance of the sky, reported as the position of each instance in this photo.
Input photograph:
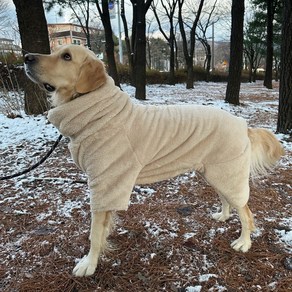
(53, 17)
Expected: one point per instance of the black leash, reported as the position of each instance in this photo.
(36, 164)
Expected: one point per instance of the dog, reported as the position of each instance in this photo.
(118, 143)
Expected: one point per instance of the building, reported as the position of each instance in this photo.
(68, 33)
(7, 47)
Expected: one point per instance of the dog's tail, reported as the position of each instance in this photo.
(266, 150)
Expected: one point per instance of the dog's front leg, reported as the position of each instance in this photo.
(100, 229)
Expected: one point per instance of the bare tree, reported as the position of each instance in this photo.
(236, 52)
(4, 19)
(103, 11)
(136, 44)
(269, 54)
(208, 18)
(140, 8)
(253, 45)
(169, 8)
(285, 101)
(189, 44)
(127, 42)
(34, 38)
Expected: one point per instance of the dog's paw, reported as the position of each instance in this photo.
(86, 267)
(241, 244)
(220, 216)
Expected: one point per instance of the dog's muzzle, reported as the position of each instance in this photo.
(29, 61)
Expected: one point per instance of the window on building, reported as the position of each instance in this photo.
(76, 42)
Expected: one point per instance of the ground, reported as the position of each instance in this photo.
(167, 240)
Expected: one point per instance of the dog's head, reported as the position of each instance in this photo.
(69, 71)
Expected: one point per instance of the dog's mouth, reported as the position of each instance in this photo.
(32, 76)
(49, 87)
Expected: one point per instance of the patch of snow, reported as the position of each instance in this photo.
(206, 277)
(196, 288)
(189, 235)
(28, 128)
(285, 234)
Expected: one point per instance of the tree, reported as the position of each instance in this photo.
(189, 45)
(236, 52)
(158, 52)
(254, 44)
(136, 44)
(269, 54)
(285, 93)
(169, 7)
(269, 11)
(109, 41)
(140, 8)
(4, 19)
(209, 18)
(34, 38)
(128, 43)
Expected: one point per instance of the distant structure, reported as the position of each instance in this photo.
(7, 47)
(68, 33)
(221, 55)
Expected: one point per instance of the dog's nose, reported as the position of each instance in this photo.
(29, 58)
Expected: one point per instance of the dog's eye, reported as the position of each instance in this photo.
(67, 57)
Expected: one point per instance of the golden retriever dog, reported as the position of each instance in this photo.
(118, 143)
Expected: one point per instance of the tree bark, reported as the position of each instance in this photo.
(34, 38)
(140, 52)
(189, 52)
(128, 42)
(285, 92)
(169, 11)
(269, 53)
(236, 52)
(109, 42)
(140, 8)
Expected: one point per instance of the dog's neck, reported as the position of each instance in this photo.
(77, 94)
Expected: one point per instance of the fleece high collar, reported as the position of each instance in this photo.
(98, 106)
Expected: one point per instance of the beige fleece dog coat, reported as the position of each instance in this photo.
(119, 143)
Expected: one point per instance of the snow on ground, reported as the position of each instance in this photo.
(24, 139)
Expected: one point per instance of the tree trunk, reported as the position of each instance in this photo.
(34, 38)
(140, 52)
(190, 73)
(250, 72)
(236, 52)
(208, 59)
(269, 53)
(285, 94)
(127, 41)
(169, 11)
(171, 77)
(109, 42)
(254, 75)
(189, 52)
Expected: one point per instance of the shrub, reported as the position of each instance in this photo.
(11, 93)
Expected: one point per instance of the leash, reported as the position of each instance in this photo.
(36, 164)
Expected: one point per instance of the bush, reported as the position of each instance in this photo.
(157, 77)
(12, 78)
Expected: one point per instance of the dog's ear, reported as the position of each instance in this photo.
(92, 76)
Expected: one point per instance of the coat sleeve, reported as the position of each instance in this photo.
(112, 168)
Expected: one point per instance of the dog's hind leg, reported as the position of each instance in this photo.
(243, 243)
(225, 212)
(100, 228)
